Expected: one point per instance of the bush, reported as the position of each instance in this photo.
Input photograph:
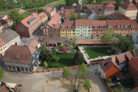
(108, 80)
(61, 46)
(1, 72)
(63, 49)
(45, 64)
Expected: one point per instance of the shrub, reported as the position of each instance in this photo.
(63, 49)
(45, 64)
(108, 80)
(61, 46)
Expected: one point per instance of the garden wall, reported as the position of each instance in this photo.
(56, 69)
(108, 87)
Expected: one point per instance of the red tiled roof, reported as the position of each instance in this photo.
(54, 20)
(109, 7)
(91, 42)
(90, 23)
(115, 23)
(24, 54)
(42, 15)
(120, 16)
(112, 2)
(2, 22)
(128, 6)
(94, 6)
(34, 15)
(68, 10)
(121, 57)
(68, 25)
(4, 89)
(109, 68)
(129, 55)
(2, 43)
(50, 9)
(134, 63)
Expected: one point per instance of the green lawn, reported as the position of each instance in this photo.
(97, 51)
(5, 11)
(57, 3)
(65, 60)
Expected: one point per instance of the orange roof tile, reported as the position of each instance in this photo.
(94, 6)
(91, 42)
(128, 6)
(34, 15)
(129, 55)
(54, 20)
(134, 64)
(121, 57)
(43, 15)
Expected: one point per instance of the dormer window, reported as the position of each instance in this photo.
(105, 26)
(109, 26)
(93, 26)
(125, 26)
(121, 26)
(30, 21)
(132, 26)
(118, 26)
(62, 26)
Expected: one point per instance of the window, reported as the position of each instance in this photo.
(93, 26)
(109, 26)
(121, 26)
(125, 26)
(132, 26)
(22, 29)
(118, 26)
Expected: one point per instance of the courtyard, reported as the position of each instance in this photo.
(94, 52)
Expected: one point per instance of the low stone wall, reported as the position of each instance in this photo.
(108, 87)
(56, 69)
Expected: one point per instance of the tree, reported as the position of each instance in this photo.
(11, 4)
(73, 42)
(45, 64)
(40, 10)
(74, 16)
(83, 71)
(1, 72)
(78, 59)
(87, 85)
(118, 2)
(47, 55)
(66, 73)
(107, 36)
(2, 4)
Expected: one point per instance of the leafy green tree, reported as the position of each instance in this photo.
(74, 16)
(87, 85)
(118, 3)
(11, 4)
(107, 36)
(40, 10)
(66, 73)
(1, 72)
(78, 59)
(73, 42)
(121, 44)
(83, 71)
(2, 4)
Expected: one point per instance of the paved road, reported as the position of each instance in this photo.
(34, 82)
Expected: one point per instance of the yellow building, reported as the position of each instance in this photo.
(128, 9)
(67, 29)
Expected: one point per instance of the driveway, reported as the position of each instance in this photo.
(37, 82)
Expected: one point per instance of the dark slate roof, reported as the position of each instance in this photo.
(8, 35)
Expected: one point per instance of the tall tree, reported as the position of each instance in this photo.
(107, 36)
(66, 73)
(11, 4)
(2, 4)
(118, 3)
(87, 85)
(78, 59)
(74, 16)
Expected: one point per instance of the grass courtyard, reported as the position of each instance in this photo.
(65, 60)
(97, 51)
